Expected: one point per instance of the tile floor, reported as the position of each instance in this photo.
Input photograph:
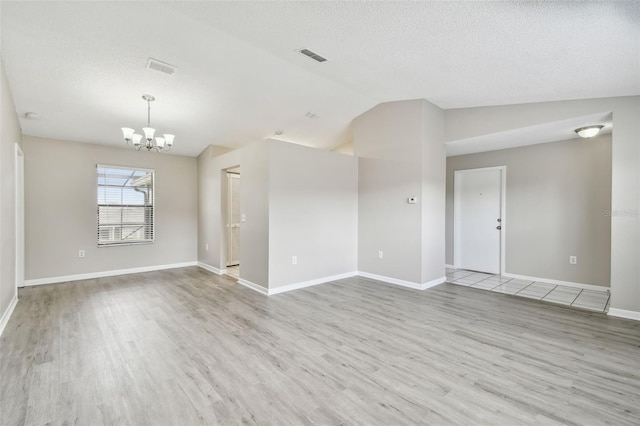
(575, 297)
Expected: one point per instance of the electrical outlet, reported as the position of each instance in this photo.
(573, 260)
(294, 260)
(380, 255)
(80, 253)
(206, 247)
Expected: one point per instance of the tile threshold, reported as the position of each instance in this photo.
(591, 301)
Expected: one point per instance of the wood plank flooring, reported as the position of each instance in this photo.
(187, 347)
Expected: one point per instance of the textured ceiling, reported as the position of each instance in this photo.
(81, 65)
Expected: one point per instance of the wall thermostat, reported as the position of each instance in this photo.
(412, 200)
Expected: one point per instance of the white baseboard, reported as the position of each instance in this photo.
(448, 266)
(403, 283)
(212, 268)
(623, 313)
(78, 277)
(433, 283)
(557, 282)
(303, 284)
(7, 313)
(253, 286)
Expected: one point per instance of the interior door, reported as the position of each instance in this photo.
(478, 227)
(233, 217)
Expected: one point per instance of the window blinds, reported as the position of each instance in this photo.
(125, 205)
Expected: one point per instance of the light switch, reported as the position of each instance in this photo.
(243, 218)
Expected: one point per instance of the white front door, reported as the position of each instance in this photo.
(479, 219)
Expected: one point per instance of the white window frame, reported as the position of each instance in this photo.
(119, 243)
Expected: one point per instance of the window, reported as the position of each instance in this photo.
(125, 205)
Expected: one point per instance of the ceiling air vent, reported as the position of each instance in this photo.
(312, 55)
(154, 64)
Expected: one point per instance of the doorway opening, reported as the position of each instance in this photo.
(233, 217)
(19, 182)
(479, 219)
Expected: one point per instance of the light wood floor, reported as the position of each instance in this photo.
(187, 347)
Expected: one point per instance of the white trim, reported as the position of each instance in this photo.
(446, 265)
(211, 268)
(303, 284)
(558, 282)
(78, 277)
(7, 314)
(623, 313)
(403, 283)
(253, 286)
(433, 283)
(503, 214)
(111, 166)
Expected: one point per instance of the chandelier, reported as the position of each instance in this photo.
(134, 140)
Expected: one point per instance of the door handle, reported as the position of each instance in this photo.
(498, 227)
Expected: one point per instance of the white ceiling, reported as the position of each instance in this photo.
(81, 65)
(531, 135)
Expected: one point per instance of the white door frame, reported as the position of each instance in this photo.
(230, 225)
(456, 213)
(19, 216)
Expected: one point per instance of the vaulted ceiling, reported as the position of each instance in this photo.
(82, 65)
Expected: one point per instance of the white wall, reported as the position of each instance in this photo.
(60, 209)
(625, 193)
(313, 213)
(10, 134)
(557, 198)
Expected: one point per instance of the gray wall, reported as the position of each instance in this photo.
(298, 201)
(60, 209)
(386, 222)
(402, 154)
(433, 192)
(254, 204)
(313, 213)
(210, 209)
(625, 194)
(10, 133)
(557, 198)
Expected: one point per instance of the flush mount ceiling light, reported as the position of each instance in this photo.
(135, 140)
(589, 131)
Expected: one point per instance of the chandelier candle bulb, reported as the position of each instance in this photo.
(148, 133)
(127, 133)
